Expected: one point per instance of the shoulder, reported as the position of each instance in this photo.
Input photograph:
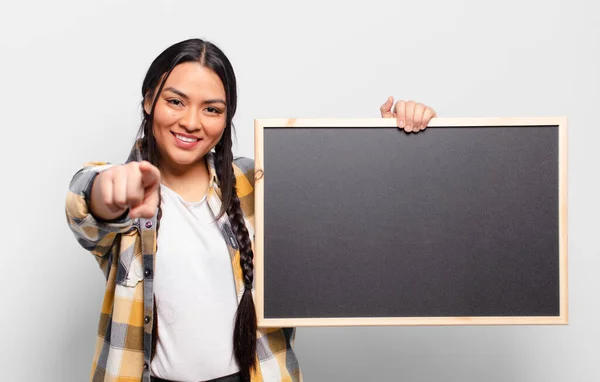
(244, 164)
(244, 167)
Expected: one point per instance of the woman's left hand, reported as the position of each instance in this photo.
(410, 115)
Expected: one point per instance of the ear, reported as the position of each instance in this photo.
(148, 104)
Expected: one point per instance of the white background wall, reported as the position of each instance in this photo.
(70, 82)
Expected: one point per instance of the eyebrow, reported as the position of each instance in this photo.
(179, 93)
(183, 95)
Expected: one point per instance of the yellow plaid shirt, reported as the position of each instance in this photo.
(125, 251)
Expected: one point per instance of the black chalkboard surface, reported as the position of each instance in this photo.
(359, 223)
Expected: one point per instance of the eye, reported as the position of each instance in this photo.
(213, 110)
(175, 101)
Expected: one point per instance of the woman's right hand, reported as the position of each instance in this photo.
(132, 186)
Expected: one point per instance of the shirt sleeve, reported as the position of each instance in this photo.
(92, 234)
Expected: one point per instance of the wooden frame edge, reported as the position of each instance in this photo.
(259, 194)
(410, 321)
(391, 122)
(563, 218)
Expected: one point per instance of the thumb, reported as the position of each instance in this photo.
(149, 205)
(386, 108)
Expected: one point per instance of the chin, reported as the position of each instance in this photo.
(185, 159)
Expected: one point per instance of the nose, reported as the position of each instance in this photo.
(191, 120)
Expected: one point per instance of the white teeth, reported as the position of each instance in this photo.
(186, 139)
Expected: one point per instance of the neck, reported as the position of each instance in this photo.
(190, 182)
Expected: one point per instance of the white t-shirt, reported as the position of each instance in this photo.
(195, 294)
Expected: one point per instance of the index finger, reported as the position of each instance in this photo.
(150, 174)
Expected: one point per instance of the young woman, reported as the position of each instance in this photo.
(172, 232)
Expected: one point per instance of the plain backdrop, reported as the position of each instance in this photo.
(71, 74)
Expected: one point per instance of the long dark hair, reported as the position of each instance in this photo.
(210, 56)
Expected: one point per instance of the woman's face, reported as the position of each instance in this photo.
(190, 115)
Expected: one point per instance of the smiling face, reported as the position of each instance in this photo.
(190, 115)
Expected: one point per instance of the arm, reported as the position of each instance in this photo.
(116, 195)
(94, 235)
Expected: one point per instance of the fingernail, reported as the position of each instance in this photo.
(401, 123)
(408, 128)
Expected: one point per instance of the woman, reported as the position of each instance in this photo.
(194, 320)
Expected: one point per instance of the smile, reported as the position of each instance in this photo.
(185, 141)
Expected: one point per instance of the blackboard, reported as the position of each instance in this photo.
(360, 223)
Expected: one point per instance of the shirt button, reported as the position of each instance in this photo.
(148, 224)
(147, 319)
(147, 272)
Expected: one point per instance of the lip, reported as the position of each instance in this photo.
(185, 135)
(185, 145)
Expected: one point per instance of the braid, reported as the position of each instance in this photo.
(244, 335)
(236, 217)
(155, 319)
(148, 154)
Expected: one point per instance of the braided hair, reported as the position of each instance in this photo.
(210, 56)
(244, 335)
